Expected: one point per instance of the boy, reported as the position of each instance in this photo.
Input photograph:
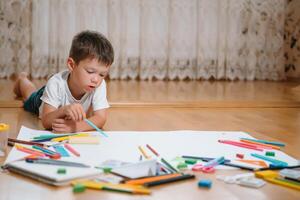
(68, 95)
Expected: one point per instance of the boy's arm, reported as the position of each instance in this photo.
(73, 113)
(98, 118)
(49, 114)
(66, 126)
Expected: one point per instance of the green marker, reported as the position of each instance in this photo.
(61, 171)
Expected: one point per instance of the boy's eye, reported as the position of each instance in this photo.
(89, 71)
(102, 75)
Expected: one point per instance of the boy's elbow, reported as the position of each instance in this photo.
(46, 124)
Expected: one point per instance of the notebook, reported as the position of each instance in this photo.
(48, 173)
(137, 170)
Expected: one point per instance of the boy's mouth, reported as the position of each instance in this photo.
(91, 87)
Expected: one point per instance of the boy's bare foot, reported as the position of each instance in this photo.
(22, 75)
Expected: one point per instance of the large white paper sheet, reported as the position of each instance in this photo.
(123, 145)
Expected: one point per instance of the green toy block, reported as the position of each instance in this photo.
(61, 171)
(190, 161)
(78, 188)
(107, 170)
(182, 166)
(270, 153)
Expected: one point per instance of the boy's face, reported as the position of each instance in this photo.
(87, 75)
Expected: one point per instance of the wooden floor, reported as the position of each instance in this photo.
(193, 94)
(266, 110)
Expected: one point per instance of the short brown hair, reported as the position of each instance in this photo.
(91, 44)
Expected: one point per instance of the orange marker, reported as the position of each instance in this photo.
(28, 150)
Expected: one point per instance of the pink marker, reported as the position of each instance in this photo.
(71, 149)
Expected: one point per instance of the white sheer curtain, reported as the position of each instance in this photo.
(166, 39)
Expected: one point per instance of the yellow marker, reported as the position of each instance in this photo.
(272, 177)
(115, 187)
(59, 139)
(285, 183)
(144, 153)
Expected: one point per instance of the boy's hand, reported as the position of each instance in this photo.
(63, 125)
(74, 112)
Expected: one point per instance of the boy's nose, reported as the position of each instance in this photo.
(95, 79)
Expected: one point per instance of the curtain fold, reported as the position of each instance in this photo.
(152, 39)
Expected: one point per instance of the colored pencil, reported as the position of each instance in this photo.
(214, 162)
(127, 188)
(151, 149)
(28, 150)
(142, 181)
(71, 149)
(280, 167)
(261, 144)
(95, 127)
(239, 144)
(59, 139)
(24, 142)
(272, 160)
(162, 159)
(144, 153)
(44, 150)
(55, 162)
(47, 152)
(226, 162)
(169, 180)
(48, 138)
(266, 142)
(206, 159)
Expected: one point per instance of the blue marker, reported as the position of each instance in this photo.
(95, 127)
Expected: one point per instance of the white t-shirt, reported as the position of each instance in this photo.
(57, 94)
